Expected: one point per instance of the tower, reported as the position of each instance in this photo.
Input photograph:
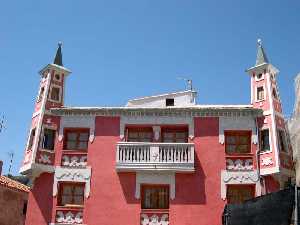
(274, 151)
(39, 151)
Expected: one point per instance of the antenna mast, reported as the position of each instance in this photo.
(189, 82)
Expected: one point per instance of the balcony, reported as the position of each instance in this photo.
(141, 156)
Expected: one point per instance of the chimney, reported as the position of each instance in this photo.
(1, 164)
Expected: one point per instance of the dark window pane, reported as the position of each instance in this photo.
(48, 139)
(155, 197)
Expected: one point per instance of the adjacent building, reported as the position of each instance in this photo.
(160, 159)
(13, 201)
(294, 129)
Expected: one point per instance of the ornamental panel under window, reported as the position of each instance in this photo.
(76, 139)
(48, 139)
(71, 194)
(264, 140)
(237, 142)
(155, 197)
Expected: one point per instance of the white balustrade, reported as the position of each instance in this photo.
(155, 156)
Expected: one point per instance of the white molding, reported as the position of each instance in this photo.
(155, 178)
(77, 122)
(239, 177)
(72, 175)
(271, 170)
(237, 123)
(157, 120)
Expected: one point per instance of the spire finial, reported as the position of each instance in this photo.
(261, 57)
(259, 42)
(58, 56)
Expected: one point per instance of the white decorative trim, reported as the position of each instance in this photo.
(271, 170)
(69, 217)
(156, 131)
(267, 161)
(154, 219)
(240, 177)
(239, 164)
(157, 120)
(72, 175)
(155, 178)
(77, 122)
(45, 159)
(237, 123)
(74, 161)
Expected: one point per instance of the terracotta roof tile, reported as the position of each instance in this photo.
(7, 182)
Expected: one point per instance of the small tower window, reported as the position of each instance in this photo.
(55, 94)
(57, 77)
(260, 93)
(41, 94)
(259, 76)
(31, 139)
(264, 140)
(274, 93)
(48, 139)
(170, 102)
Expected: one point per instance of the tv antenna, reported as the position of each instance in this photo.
(2, 124)
(11, 155)
(189, 82)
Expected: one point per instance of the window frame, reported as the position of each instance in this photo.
(238, 133)
(285, 143)
(59, 94)
(264, 93)
(260, 139)
(240, 186)
(77, 131)
(60, 193)
(139, 129)
(153, 186)
(42, 139)
(174, 130)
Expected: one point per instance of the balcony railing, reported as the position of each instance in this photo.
(135, 156)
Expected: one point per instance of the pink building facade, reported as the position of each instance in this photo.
(158, 160)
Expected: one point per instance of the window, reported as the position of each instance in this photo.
(170, 102)
(155, 197)
(274, 93)
(55, 94)
(25, 208)
(175, 135)
(260, 94)
(71, 194)
(282, 141)
(237, 194)
(259, 76)
(237, 142)
(76, 139)
(31, 139)
(143, 134)
(41, 94)
(264, 140)
(48, 139)
(57, 77)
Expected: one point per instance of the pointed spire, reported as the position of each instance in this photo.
(58, 56)
(261, 57)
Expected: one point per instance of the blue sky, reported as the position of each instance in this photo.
(119, 50)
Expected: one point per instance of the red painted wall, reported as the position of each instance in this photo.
(112, 198)
(40, 200)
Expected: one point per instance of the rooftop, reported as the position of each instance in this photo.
(12, 184)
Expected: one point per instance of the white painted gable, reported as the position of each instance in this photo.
(181, 99)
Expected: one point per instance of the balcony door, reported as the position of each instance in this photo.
(174, 135)
(139, 134)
